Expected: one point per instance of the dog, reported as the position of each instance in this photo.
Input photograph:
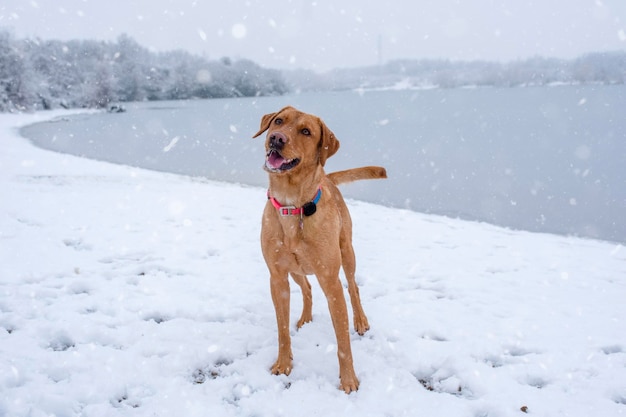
(307, 230)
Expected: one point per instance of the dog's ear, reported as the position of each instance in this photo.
(267, 119)
(329, 144)
(265, 123)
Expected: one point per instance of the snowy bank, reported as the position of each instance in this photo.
(130, 292)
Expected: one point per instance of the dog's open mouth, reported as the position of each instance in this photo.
(274, 162)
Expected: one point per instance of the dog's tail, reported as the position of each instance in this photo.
(355, 174)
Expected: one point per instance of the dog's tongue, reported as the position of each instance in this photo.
(275, 161)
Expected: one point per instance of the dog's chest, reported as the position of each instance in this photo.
(299, 245)
(298, 250)
(298, 253)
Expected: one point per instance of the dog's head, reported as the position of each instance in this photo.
(295, 139)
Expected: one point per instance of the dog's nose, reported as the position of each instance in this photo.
(277, 140)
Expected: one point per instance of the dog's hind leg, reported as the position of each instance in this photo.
(307, 299)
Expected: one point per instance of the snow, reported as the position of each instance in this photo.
(239, 31)
(130, 292)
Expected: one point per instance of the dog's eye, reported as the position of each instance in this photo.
(278, 121)
(306, 132)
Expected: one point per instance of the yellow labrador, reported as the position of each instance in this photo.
(307, 230)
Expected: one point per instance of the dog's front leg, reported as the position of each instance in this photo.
(279, 283)
(339, 314)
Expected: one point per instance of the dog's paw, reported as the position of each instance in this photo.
(361, 325)
(349, 382)
(282, 367)
(304, 320)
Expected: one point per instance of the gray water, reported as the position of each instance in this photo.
(547, 159)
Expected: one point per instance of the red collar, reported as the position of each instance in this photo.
(307, 209)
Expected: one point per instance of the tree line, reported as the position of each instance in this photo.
(600, 68)
(38, 74)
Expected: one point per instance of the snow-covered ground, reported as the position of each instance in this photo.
(130, 292)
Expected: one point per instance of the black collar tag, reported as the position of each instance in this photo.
(308, 209)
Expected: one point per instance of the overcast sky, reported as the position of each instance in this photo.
(323, 34)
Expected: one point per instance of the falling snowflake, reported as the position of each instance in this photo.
(172, 143)
(239, 31)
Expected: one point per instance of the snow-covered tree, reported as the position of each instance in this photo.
(44, 74)
(17, 90)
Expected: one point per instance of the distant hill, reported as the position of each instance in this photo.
(602, 68)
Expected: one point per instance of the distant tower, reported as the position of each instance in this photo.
(380, 50)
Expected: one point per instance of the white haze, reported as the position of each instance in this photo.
(325, 34)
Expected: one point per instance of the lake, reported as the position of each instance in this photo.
(543, 159)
